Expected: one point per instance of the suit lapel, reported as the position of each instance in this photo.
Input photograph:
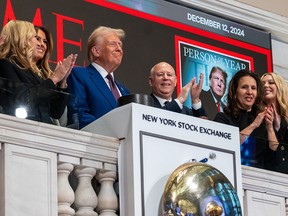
(101, 85)
(156, 102)
(121, 89)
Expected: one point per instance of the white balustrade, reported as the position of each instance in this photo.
(85, 196)
(65, 193)
(108, 201)
(37, 161)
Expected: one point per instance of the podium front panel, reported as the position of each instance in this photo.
(154, 142)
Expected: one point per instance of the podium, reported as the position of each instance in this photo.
(154, 142)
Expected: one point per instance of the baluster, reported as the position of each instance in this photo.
(65, 192)
(85, 196)
(108, 202)
(286, 206)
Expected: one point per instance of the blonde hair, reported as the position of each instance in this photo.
(17, 47)
(282, 93)
(97, 36)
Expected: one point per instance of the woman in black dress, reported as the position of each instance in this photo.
(245, 110)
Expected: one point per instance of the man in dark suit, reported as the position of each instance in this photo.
(97, 93)
(163, 81)
(211, 99)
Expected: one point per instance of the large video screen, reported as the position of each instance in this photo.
(156, 30)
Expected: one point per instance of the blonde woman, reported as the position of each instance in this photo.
(276, 96)
(18, 64)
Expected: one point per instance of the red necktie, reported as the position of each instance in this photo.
(218, 106)
(113, 87)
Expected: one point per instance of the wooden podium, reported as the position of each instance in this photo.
(154, 142)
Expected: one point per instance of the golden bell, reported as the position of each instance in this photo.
(198, 189)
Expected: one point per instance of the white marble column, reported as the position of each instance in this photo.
(108, 201)
(65, 192)
(85, 196)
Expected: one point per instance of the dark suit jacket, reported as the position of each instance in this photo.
(279, 158)
(173, 106)
(94, 96)
(23, 87)
(209, 104)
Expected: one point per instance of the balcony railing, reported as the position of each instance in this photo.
(37, 160)
(49, 170)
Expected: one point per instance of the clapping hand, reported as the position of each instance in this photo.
(63, 70)
(196, 89)
(269, 117)
(259, 118)
(193, 88)
(184, 92)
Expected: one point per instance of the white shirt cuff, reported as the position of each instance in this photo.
(197, 106)
(179, 104)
